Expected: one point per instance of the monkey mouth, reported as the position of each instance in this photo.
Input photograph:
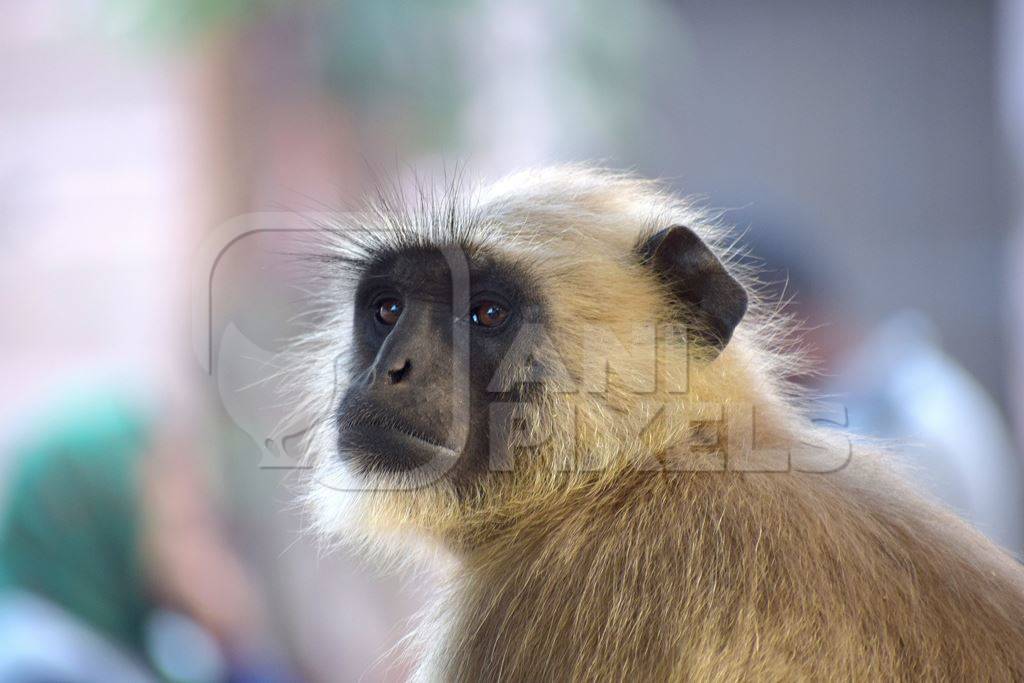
(382, 442)
(402, 430)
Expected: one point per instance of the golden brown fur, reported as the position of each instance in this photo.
(632, 565)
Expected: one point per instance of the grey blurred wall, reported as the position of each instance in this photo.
(870, 127)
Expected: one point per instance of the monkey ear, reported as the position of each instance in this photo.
(698, 280)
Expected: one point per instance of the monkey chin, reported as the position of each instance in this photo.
(384, 489)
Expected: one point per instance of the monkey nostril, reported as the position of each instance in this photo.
(397, 374)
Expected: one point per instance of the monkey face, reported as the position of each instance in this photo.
(432, 329)
(445, 340)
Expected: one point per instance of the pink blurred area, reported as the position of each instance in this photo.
(98, 152)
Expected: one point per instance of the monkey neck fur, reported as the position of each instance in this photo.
(635, 575)
(699, 575)
(550, 569)
(635, 549)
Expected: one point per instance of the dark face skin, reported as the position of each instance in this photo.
(423, 374)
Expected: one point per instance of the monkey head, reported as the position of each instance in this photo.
(504, 346)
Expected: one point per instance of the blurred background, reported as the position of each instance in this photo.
(871, 154)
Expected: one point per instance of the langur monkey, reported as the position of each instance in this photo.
(566, 387)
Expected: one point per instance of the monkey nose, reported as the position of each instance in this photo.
(399, 371)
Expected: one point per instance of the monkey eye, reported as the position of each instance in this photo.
(488, 314)
(388, 311)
